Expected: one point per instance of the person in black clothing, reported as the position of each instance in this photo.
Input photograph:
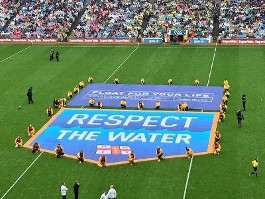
(76, 189)
(55, 103)
(244, 101)
(29, 95)
(240, 117)
(51, 54)
(57, 55)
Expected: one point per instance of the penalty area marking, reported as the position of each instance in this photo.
(21, 175)
(191, 161)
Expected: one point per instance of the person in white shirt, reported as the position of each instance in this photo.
(112, 194)
(104, 195)
(64, 189)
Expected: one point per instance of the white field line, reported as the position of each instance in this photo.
(42, 152)
(121, 64)
(21, 175)
(39, 154)
(15, 54)
(191, 161)
(187, 180)
(211, 68)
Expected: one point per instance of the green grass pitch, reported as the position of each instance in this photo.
(223, 176)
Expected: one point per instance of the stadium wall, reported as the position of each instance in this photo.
(125, 41)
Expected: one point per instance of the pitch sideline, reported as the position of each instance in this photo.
(42, 152)
(191, 161)
(15, 54)
(21, 175)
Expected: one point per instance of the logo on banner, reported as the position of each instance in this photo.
(115, 150)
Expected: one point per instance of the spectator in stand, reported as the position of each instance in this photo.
(192, 15)
(7, 10)
(242, 19)
(45, 19)
(116, 18)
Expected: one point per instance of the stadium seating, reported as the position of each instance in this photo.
(242, 19)
(117, 18)
(7, 9)
(129, 18)
(195, 16)
(44, 19)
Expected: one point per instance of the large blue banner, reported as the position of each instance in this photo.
(197, 97)
(116, 132)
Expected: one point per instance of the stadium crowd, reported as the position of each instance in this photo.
(44, 19)
(195, 16)
(7, 9)
(117, 18)
(242, 19)
(128, 18)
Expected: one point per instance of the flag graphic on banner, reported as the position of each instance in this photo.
(115, 150)
(125, 150)
(103, 149)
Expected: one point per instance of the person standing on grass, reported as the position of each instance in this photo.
(244, 101)
(29, 95)
(57, 55)
(51, 54)
(64, 190)
(112, 194)
(76, 189)
(240, 117)
(255, 165)
(104, 195)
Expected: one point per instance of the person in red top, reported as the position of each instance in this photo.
(18, 142)
(223, 107)
(217, 148)
(131, 158)
(59, 152)
(221, 116)
(217, 136)
(35, 147)
(102, 162)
